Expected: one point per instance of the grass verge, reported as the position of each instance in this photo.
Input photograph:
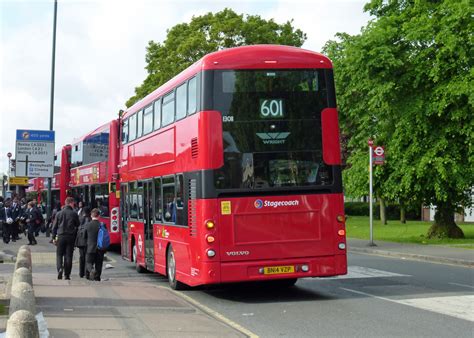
(411, 232)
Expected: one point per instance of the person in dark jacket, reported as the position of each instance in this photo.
(64, 233)
(7, 221)
(17, 213)
(33, 219)
(81, 241)
(94, 257)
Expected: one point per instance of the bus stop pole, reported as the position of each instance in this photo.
(371, 243)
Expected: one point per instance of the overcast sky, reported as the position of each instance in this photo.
(100, 53)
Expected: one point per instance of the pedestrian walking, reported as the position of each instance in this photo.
(81, 241)
(64, 234)
(95, 256)
(16, 214)
(33, 221)
(7, 221)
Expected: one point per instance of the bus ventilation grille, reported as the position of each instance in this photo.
(192, 214)
(194, 148)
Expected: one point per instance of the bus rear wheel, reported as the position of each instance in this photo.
(138, 267)
(171, 270)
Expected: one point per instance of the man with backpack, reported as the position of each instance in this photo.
(98, 240)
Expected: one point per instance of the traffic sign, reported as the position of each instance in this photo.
(18, 180)
(379, 155)
(35, 153)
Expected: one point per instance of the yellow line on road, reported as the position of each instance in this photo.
(213, 313)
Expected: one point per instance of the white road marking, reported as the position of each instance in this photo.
(456, 306)
(363, 272)
(463, 285)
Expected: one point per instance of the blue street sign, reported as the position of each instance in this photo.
(35, 135)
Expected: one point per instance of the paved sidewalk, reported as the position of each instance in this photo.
(81, 308)
(430, 253)
(115, 307)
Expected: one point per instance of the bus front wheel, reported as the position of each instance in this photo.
(171, 271)
(138, 267)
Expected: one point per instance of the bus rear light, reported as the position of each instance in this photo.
(341, 218)
(114, 226)
(261, 271)
(210, 239)
(114, 211)
(304, 268)
(342, 246)
(270, 61)
(210, 224)
(341, 232)
(211, 253)
(114, 217)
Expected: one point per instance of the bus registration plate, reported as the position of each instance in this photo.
(275, 270)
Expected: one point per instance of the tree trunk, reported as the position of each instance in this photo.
(444, 225)
(403, 217)
(383, 211)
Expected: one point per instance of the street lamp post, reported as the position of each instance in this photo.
(51, 111)
(9, 155)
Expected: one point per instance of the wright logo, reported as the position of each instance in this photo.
(273, 138)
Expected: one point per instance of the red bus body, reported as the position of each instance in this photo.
(96, 182)
(60, 181)
(282, 233)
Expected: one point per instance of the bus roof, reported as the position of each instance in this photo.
(102, 128)
(245, 57)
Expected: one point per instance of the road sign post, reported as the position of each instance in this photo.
(35, 153)
(371, 221)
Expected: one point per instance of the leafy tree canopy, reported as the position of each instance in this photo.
(407, 81)
(186, 43)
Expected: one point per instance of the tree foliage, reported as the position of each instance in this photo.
(186, 43)
(407, 81)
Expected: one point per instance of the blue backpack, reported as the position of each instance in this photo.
(103, 238)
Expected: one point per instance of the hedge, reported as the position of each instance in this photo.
(393, 211)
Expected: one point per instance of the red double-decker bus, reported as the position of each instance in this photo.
(94, 175)
(59, 183)
(231, 171)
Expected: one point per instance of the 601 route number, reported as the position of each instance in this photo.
(271, 108)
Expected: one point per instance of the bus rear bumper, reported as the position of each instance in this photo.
(324, 266)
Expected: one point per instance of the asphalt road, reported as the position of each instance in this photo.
(380, 297)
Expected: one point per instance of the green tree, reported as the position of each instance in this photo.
(186, 43)
(407, 81)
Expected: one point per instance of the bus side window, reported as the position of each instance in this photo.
(133, 202)
(148, 120)
(169, 209)
(140, 124)
(180, 210)
(157, 202)
(168, 110)
(132, 127)
(140, 201)
(192, 96)
(181, 102)
(125, 131)
(157, 114)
